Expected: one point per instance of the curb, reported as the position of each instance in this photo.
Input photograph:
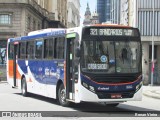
(3, 81)
(151, 94)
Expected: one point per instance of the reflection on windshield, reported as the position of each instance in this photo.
(110, 57)
(128, 56)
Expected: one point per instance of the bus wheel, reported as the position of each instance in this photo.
(112, 105)
(62, 96)
(24, 87)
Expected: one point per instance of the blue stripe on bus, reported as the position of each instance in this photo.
(22, 66)
(43, 71)
(110, 88)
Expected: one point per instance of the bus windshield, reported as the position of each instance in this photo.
(110, 56)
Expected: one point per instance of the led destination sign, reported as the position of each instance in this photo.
(112, 32)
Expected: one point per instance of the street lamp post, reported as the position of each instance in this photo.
(152, 68)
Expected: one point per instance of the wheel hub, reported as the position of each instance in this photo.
(63, 96)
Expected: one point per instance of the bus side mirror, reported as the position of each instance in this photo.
(77, 52)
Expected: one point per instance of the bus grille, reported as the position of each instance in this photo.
(103, 78)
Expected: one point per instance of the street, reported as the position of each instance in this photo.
(12, 100)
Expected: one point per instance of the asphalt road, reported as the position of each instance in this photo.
(12, 100)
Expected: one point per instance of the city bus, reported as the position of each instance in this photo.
(98, 63)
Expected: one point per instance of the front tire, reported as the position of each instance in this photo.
(62, 96)
(24, 87)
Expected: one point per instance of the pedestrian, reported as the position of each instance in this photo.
(3, 55)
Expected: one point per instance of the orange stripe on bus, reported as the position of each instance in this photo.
(18, 75)
(10, 70)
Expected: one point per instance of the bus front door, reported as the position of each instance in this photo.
(70, 82)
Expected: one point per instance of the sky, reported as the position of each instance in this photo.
(92, 5)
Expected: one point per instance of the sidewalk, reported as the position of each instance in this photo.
(152, 91)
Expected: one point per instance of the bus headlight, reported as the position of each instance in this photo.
(85, 85)
(91, 88)
(139, 86)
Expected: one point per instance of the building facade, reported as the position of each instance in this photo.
(95, 18)
(18, 17)
(124, 12)
(73, 13)
(57, 12)
(87, 19)
(141, 15)
(115, 11)
(104, 10)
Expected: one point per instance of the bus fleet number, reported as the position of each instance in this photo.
(94, 32)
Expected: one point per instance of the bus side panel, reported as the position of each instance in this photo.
(44, 75)
(50, 73)
(35, 83)
(56, 72)
(21, 70)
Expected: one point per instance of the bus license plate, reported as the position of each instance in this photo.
(116, 96)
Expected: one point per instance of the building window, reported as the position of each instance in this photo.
(39, 26)
(5, 19)
(34, 25)
(29, 23)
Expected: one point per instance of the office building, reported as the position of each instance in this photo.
(140, 14)
(104, 10)
(115, 11)
(73, 13)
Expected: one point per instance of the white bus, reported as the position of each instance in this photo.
(96, 63)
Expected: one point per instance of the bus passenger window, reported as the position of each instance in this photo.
(48, 48)
(38, 52)
(22, 50)
(55, 48)
(59, 48)
(30, 50)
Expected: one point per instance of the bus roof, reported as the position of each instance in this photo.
(44, 31)
(60, 31)
(41, 33)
